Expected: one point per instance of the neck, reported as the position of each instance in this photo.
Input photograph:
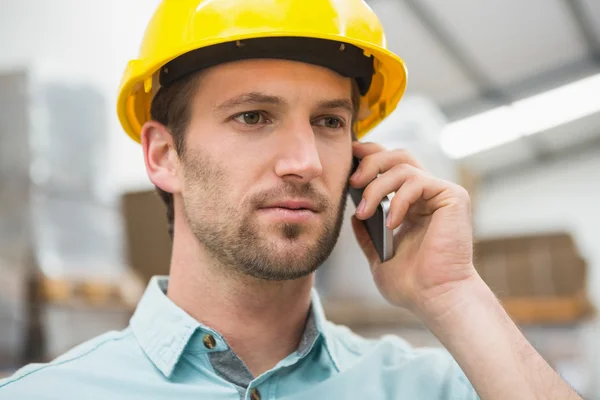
(262, 321)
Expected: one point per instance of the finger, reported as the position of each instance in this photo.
(364, 241)
(392, 181)
(377, 163)
(422, 197)
(363, 149)
(408, 194)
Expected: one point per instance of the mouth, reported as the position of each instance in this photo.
(290, 211)
(293, 205)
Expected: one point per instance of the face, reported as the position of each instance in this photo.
(266, 165)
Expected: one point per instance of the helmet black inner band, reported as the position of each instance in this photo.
(343, 58)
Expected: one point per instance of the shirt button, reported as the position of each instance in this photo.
(209, 341)
(254, 394)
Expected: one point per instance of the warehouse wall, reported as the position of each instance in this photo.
(563, 194)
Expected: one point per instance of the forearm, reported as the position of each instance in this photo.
(493, 353)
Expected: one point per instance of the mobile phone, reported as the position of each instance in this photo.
(381, 236)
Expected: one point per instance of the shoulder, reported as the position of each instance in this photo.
(392, 358)
(101, 357)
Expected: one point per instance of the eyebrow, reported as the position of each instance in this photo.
(263, 98)
(345, 104)
(250, 98)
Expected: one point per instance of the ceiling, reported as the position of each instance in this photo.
(470, 56)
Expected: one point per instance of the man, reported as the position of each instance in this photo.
(247, 112)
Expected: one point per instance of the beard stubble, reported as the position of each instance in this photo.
(233, 236)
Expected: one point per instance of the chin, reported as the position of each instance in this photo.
(301, 232)
(289, 265)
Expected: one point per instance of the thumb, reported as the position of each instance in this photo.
(364, 241)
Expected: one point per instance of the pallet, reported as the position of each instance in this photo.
(524, 311)
(548, 310)
(125, 292)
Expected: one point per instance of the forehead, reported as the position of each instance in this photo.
(282, 77)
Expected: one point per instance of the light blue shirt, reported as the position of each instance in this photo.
(166, 354)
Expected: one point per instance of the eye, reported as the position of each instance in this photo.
(330, 122)
(250, 118)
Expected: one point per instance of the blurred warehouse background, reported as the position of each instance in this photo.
(503, 97)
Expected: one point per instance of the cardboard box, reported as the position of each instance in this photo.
(146, 233)
(539, 278)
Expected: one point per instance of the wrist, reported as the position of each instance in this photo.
(448, 303)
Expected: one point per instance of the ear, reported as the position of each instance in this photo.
(160, 156)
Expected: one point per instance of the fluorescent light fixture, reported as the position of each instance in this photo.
(479, 132)
(524, 117)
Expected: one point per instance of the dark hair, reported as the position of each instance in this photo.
(171, 107)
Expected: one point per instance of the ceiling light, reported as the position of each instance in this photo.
(524, 117)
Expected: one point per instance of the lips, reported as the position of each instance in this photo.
(293, 205)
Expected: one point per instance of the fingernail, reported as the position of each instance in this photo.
(388, 220)
(361, 206)
(356, 175)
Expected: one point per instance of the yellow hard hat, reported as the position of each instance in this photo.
(184, 36)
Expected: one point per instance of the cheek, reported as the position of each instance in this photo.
(336, 164)
(249, 166)
(335, 178)
(206, 181)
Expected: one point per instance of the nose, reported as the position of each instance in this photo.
(298, 157)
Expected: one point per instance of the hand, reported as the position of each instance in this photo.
(432, 274)
(433, 248)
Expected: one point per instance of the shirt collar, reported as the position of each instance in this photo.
(164, 330)
(318, 313)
